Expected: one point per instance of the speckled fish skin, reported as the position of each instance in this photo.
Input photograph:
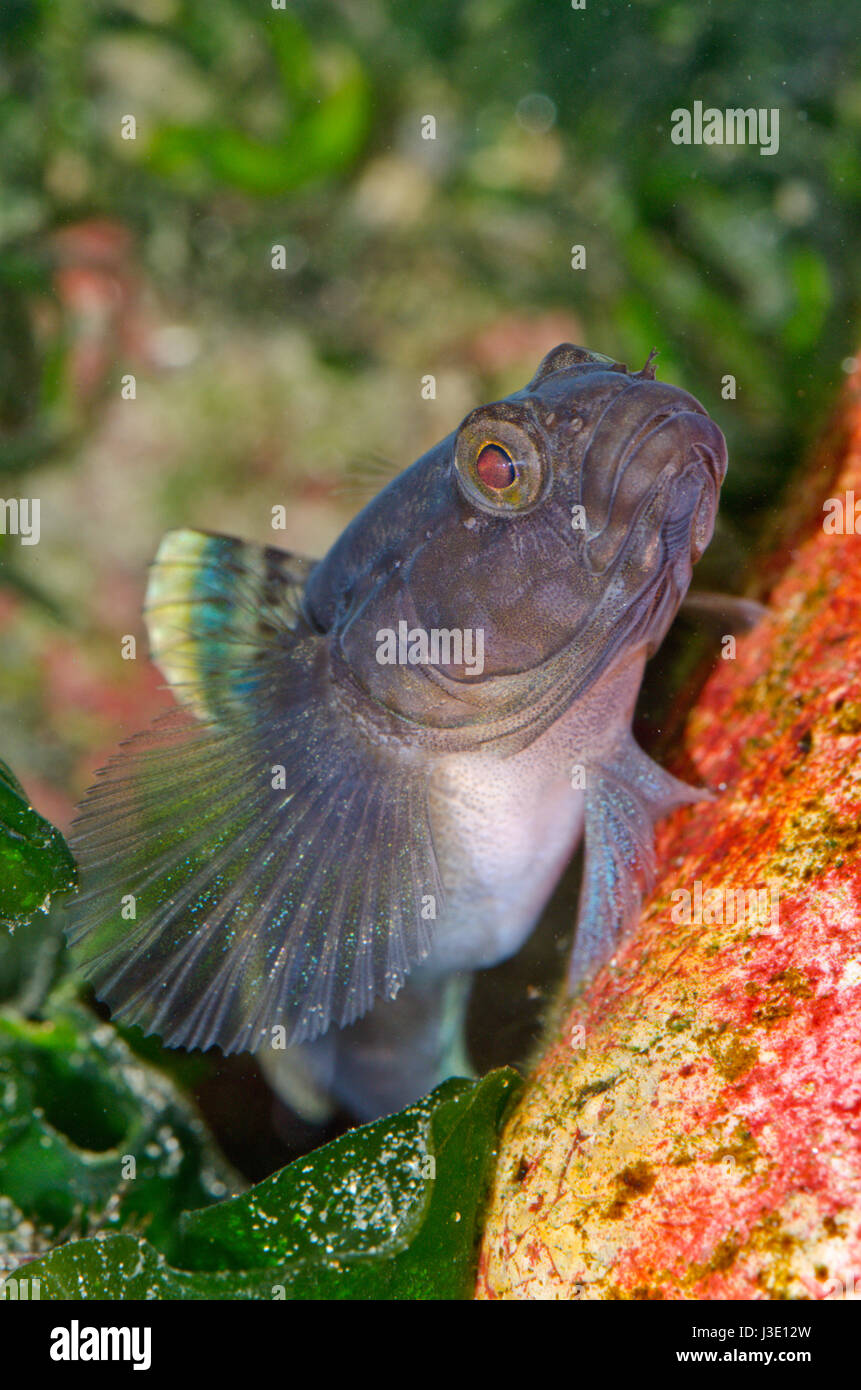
(424, 812)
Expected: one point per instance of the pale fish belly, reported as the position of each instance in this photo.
(503, 829)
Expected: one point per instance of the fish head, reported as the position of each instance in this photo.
(565, 518)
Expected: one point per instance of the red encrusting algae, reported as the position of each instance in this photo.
(694, 1129)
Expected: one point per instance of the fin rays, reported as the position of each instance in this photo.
(219, 901)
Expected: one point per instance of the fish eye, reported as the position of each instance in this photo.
(495, 468)
(498, 463)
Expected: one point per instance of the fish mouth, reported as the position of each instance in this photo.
(668, 473)
(664, 539)
(693, 504)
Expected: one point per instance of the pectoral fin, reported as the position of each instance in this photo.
(265, 864)
(724, 610)
(624, 798)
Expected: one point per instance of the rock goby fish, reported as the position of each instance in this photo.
(348, 812)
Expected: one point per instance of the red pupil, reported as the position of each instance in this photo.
(494, 467)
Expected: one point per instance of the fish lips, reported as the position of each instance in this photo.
(667, 473)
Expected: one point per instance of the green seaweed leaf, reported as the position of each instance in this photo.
(35, 861)
(91, 1137)
(387, 1211)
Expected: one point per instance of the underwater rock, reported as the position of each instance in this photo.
(694, 1128)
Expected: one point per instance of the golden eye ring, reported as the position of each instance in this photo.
(500, 466)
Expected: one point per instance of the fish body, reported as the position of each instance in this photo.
(381, 762)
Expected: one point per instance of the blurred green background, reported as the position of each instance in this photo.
(302, 128)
